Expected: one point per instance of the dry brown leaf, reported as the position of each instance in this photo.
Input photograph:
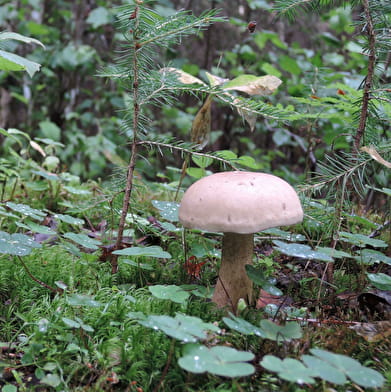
(37, 147)
(249, 84)
(373, 332)
(376, 156)
(183, 76)
(201, 126)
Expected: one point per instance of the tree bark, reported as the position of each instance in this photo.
(233, 282)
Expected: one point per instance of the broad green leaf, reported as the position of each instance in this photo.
(77, 191)
(13, 62)
(171, 292)
(219, 360)
(168, 209)
(99, 17)
(257, 276)
(248, 161)
(50, 130)
(182, 327)
(254, 85)
(196, 172)
(26, 210)
(48, 176)
(138, 265)
(289, 64)
(286, 235)
(279, 333)
(370, 256)
(169, 226)
(198, 291)
(148, 251)
(6, 35)
(289, 369)
(16, 244)
(13, 131)
(202, 162)
(359, 374)
(227, 155)
(9, 388)
(361, 240)
(51, 379)
(83, 240)
(366, 377)
(70, 323)
(73, 56)
(51, 163)
(380, 280)
(69, 219)
(35, 228)
(82, 300)
(337, 254)
(324, 370)
(240, 325)
(281, 137)
(270, 69)
(302, 251)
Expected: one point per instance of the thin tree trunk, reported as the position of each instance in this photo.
(369, 78)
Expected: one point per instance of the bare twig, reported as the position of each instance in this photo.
(35, 279)
(168, 363)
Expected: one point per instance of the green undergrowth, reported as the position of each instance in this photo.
(91, 335)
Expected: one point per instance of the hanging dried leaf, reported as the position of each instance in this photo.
(200, 129)
(248, 116)
(37, 147)
(376, 156)
(182, 76)
(254, 85)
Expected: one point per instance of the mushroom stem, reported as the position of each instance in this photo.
(233, 282)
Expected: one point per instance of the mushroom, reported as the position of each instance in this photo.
(238, 204)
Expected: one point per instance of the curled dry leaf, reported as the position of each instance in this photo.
(37, 147)
(373, 332)
(254, 85)
(376, 156)
(182, 76)
(200, 129)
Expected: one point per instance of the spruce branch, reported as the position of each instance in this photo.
(187, 150)
(369, 77)
(175, 27)
(336, 170)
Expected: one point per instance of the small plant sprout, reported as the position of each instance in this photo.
(238, 204)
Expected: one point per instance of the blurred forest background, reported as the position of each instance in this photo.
(67, 103)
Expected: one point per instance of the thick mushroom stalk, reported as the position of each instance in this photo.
(238, 204)
(233, 282)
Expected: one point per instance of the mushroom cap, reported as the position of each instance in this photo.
(239, 202)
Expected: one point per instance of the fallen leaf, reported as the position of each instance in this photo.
(373, 332)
